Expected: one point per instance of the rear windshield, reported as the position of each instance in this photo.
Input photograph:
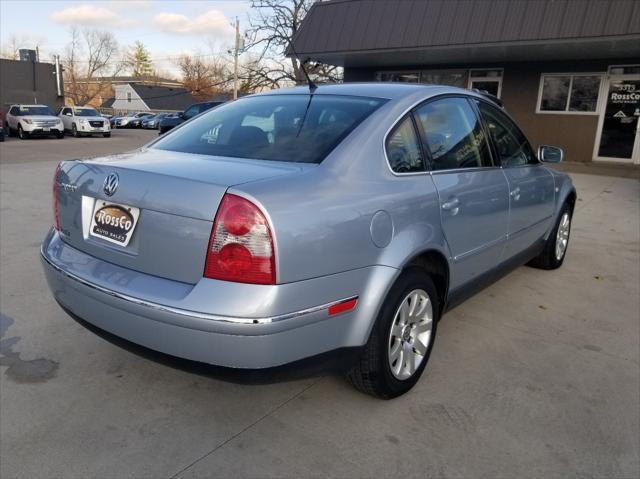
(300, 128)
(34, 110)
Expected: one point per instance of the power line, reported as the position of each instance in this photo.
(174, 58)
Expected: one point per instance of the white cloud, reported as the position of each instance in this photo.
(129, 4)
(88, 15)
(213, 23)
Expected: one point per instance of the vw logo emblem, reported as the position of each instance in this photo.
(110, 184)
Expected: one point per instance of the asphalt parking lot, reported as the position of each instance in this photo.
(537, 376)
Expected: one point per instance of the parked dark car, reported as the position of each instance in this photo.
(132, 120)
(170, 122)
(153, 122)
(110, 118)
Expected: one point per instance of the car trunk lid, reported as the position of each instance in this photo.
(173, 196)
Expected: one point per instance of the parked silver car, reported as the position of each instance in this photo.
(287, 224)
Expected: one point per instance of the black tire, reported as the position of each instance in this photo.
(7, 129)
(74, 131)
(372, 373)
(107, 135)
(60, 135)
(548, 259)
(22, 134)
(2, 136)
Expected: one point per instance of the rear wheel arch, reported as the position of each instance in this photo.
(436, 265)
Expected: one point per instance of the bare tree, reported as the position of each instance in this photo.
(11, 48)
(273, 25)
(90, 62)
(204, 75)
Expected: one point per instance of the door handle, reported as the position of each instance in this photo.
(453, 205)
(515, 194)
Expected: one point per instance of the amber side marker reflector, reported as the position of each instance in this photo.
(343, 306)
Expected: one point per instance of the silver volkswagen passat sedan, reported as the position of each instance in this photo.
(298, 222)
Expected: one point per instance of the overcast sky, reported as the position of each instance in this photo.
(167, 28)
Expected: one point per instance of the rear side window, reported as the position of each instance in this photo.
(299, 128)
(453, 134)
(403, 148)
(511, 145)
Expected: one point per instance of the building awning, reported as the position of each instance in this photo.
(356, 33)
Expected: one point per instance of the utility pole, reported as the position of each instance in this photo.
(236, 51)
(58, 76)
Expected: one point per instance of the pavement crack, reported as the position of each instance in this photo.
(257, 421)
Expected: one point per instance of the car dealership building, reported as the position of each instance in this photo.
(567, 70)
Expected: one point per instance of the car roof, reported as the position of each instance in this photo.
(24, 104)
(388, 90)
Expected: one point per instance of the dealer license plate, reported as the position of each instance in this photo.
(114, 222)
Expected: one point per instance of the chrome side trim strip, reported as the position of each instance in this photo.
(189, 313)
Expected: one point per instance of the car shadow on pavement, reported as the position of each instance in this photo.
(331, 363)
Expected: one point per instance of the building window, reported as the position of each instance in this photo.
(128, 97)
(436, 77)
(445, 77)
(486, 80)
(404, 77)
(566, 93)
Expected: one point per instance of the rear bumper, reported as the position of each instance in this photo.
(216, 322)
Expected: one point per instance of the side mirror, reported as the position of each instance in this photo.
(68, 113)
(550, 154)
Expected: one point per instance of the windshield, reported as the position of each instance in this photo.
(300, 128)
(35, 110)
(85, 112)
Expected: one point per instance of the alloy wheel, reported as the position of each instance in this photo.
(562, 236)
(410, 334)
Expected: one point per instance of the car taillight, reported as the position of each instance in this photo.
(56, 223)
(241, 245)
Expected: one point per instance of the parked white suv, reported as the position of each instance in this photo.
(32, 120)
(81, 121)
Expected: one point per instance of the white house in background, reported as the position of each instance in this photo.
(140, 97)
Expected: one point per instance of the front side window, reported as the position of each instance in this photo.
(569, 93)
(453, 134)
(299, 128)
(511, 145)
(403, 148)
